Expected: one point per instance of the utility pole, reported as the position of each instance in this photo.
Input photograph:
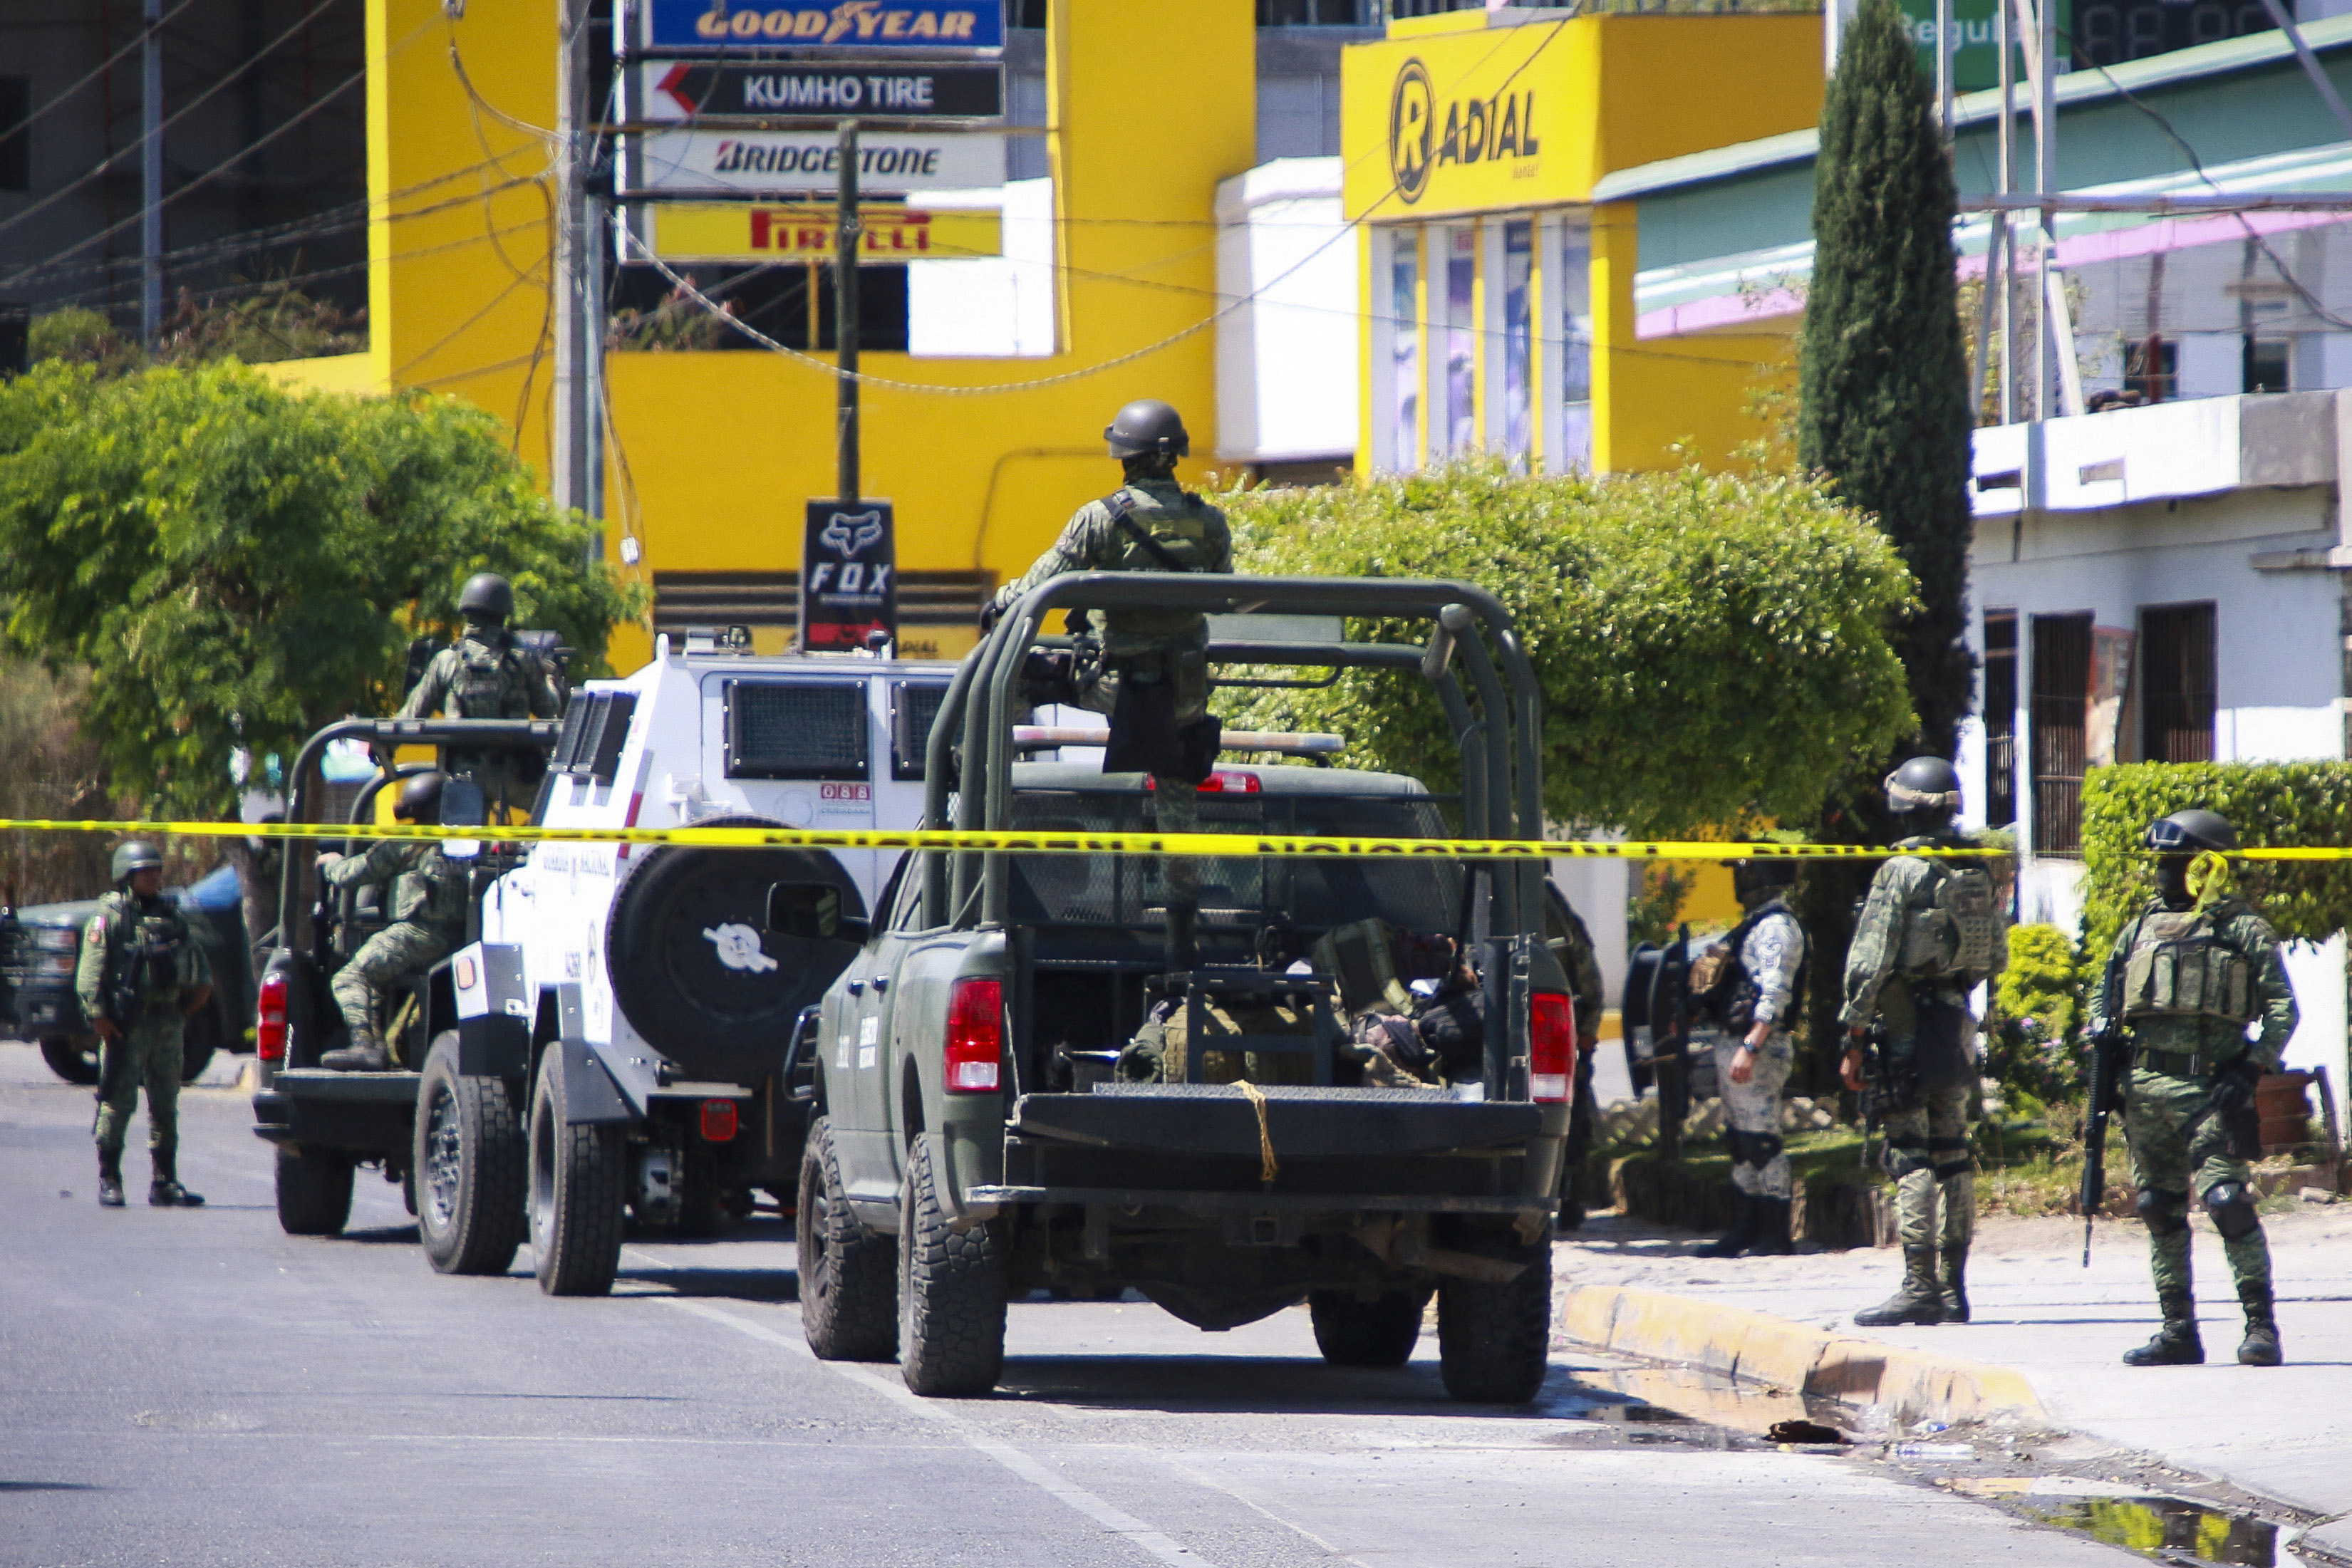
(577, 462)
(1944, 67)
(847, 240)
(2005, 146)
(151, 174)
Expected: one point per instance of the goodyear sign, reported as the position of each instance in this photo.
(722, 232)
(839, 25)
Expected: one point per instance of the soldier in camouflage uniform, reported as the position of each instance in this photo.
(1751, 1008)
(486, 674)
(1931, 931)
(428, 915)
(139, 976)
(1571, 942)
(2190, 972)
(1149, 524)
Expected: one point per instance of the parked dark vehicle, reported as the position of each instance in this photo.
(980, 1132)
(41, 943)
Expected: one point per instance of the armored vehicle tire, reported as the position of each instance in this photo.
(693, 965)
(576, 1181)
(950, 1292)
(73, 1058)
(1494, 1340)
(470, 1161)
(314, 1193)
(1352, 1332)
(849, 1275)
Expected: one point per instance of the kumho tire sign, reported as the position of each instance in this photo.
(844, 25)
(779, 164)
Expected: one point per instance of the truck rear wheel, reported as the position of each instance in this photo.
(1493, 1341)
(73, 1058)
(314, 1193)
(1352, 1332)
(576, 1181)
(849, 1275)
(950, 1292)
(470, 1162)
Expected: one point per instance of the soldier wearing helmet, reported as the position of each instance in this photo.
(427, 905)
(1153, 678)
(1750, 998)
(1932, 929)
(2189, 974)
(486, 674)
(139, 977)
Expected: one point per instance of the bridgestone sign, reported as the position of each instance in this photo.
(777, 163)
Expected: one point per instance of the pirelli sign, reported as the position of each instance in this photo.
(737, 234)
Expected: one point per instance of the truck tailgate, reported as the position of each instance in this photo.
(1301, 1123)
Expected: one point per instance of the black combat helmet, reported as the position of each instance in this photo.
(420, 799)
(1925, 786)
(1148, 428)
(2186, 832)
(487, 597)
(134, 855)
(1755, 881)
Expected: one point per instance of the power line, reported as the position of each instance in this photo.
(103, 67)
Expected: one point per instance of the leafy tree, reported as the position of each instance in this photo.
(1884, 375)
(236, 565)
(1712, 648)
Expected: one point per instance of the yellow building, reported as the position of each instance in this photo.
(1499, 298)
(712, 454)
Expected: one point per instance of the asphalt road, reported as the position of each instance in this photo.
(182, 1387)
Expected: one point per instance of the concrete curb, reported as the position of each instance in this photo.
(1912, 1386)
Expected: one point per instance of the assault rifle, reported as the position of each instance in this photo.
(2110, 1069)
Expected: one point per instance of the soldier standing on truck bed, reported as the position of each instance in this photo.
(486, 674)
(1153, 680)
(139, 976)
(428, 917)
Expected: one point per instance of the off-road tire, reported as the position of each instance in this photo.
(849, 1275)
(576, 1179)
(73, 1058)
(1353, 1332)
(1494, 1341)
(314, 1193)
(950, 1292)
(471, 1163)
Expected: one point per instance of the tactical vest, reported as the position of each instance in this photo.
(1147, 535)
(431, 893)
(489, 675)
(1953, 925)
(142, 957)
(2177, 967)
(1723, 993)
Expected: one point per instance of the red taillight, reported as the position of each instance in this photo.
(975, 1036)
(269, 1020)
(718, 1121)
(1223, 781)
(1551, 1047)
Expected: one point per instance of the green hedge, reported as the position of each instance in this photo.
(2277, 805)
(2033, 1043)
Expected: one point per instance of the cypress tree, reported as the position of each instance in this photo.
(1884, 373)
(1884, 413)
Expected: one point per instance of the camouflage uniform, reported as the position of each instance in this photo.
(147, 1050)
(487, 674)
(1928, 1138)
(1772, 953)
(1145, 645)
(428, 912)
(2172, 1080)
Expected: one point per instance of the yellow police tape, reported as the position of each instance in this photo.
(1239, 844)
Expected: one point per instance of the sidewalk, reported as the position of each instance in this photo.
(2284, 1433)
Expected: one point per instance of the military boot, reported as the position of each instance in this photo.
(1956, 1284)
(364, 1054)
(2260, 1346)
(1742, 1234)
(2175, 1344)
(110, 1178)
(164, 1191)
(1771, 1230)
(1920, 1300)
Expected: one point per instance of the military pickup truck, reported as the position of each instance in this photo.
(990, 1124)
(41, 945)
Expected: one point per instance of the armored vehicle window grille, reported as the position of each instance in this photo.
(567, 739)
(914, 709)
(596, 728)
(1413, 894)
(776, 731)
